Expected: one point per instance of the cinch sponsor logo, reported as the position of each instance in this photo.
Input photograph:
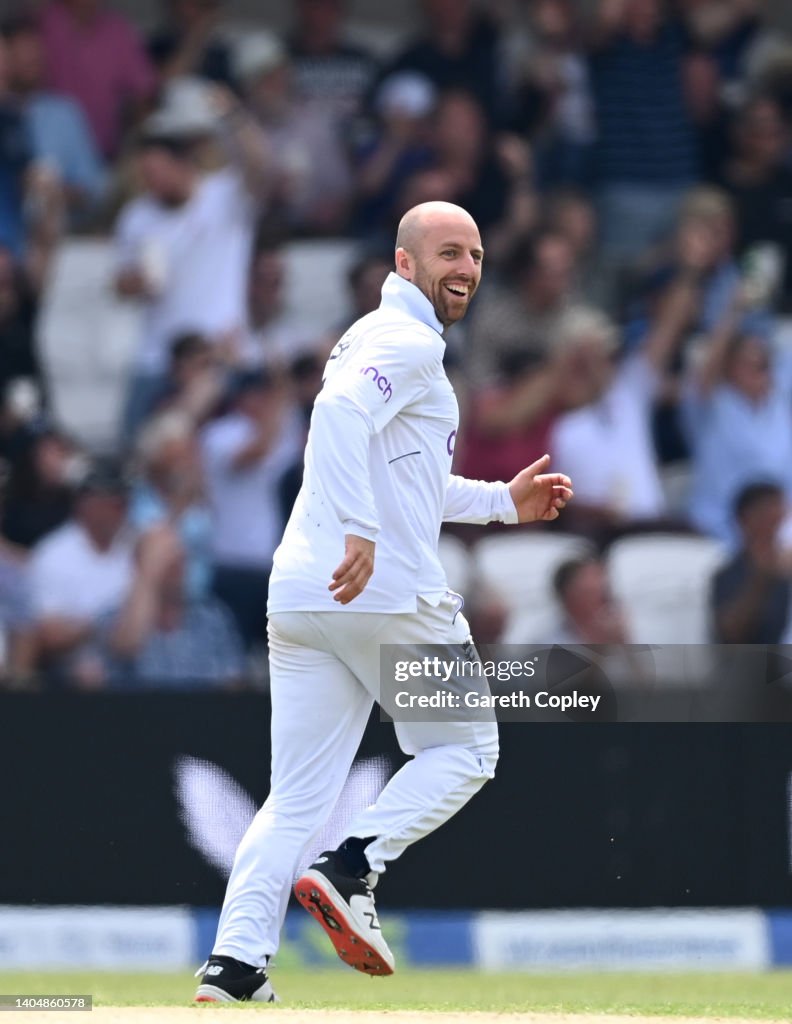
(451, 442)
(381, 381)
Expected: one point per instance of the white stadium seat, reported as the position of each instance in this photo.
(519, 568)
(86, 338)
(663, 583)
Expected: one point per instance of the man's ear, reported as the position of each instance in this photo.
(404, 264)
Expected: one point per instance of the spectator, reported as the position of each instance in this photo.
(38, 499)
(523, 315)
(458, 50)
(710, 114)
(170, 491)
(183, 246)
(399, 146)
(16, 151)
(189, 43)
(330, 71)
(700, 279)
(489, 175)
(313, 186)
(274, 336)
(159, 637)
(760, 182)
(590, 613)
(607, 442)
(18, 308)
(245, 454)
(95, 56)
(751, 594)
(80, 571)
(365, 278)
(555, 108)
(737, 407)
(196, 379)
(735, 37)
(59, 133)
(16, 619)
(646, 150)
(571, 214)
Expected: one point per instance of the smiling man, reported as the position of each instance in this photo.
(377, 480)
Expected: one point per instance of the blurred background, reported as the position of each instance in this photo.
(197, 198)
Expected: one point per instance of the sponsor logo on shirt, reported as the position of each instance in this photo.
(451, 442)
(380, 380)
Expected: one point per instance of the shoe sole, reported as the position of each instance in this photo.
(214, 994)
(319, 897)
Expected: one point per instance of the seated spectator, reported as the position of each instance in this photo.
(189, 43)
(646, 147)
(45, 465)
(523, 314)
(759, 181)
(183, 246)
(95, 56)
(171, 491)
(159, 636)
(329, 70)
(590, 613)
(737, 406)
(750, 596)
(399, 145)
(245, 454)
(312, 190)
(606, 444)
(59, 133)
(458, 50)
(274, 336)
(80, 571)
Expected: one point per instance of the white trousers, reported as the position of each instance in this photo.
(325, 675)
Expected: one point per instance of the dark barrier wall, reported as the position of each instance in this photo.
(579, 815)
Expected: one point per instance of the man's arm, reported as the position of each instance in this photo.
(476, 501)
(530, 496)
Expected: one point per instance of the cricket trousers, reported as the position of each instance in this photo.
(325, 677)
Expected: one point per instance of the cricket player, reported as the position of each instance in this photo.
(357, 568)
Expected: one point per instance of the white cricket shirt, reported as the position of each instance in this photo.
(378, 465)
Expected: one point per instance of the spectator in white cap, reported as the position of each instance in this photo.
(313, 179)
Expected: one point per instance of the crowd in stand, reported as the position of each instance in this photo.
(629, 163)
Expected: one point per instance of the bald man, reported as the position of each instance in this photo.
(358, 569)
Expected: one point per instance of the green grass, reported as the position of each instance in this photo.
(766, 995)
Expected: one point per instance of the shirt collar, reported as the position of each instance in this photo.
(398, 293)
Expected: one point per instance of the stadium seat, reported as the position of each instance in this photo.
(456, 560)
(519, 568)
(663, 582)
(86, 337)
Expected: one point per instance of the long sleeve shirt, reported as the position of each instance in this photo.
(378, 465)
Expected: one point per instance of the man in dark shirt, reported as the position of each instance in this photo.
(760, 181)
(750, 596)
